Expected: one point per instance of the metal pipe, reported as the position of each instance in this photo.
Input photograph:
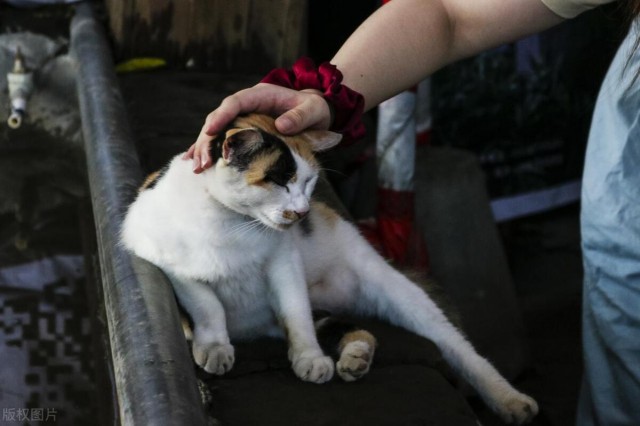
(154, 375)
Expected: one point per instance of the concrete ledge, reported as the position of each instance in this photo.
(466, 255)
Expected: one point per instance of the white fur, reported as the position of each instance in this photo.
(239, 277)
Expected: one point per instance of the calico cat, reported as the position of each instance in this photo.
(250, 253)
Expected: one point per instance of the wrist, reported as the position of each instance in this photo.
(345, 105)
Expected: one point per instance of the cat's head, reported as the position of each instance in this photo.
(264, 174)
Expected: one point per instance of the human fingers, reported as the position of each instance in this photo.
(189, 153)
(262, 98)
(214, 123)
(247, 100)
(199, 153)
(297, 110)
(244, 101)
(225, 113)
(309, 111)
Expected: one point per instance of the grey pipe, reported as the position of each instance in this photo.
(154, 376)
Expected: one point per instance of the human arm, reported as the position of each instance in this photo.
(407, 40)
(397, 46)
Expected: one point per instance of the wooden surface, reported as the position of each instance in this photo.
(218, 35)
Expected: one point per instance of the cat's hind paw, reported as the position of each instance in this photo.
(355, 361)
(315, 369)
(517, 408)
(214, 358)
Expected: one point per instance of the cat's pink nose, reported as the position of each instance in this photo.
(302, 213)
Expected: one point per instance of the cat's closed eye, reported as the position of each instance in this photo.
(269, 178)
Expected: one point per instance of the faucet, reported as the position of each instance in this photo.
(20, 81)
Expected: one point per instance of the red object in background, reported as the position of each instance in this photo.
(423, 138)
(401, 240)
(395, 219)
(394, 233)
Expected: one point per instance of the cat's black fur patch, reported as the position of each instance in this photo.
(215, 148)
(279, 173)
(330, 330)
(282, 170)
(285, 166)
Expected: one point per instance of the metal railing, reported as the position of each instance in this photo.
(154, 376)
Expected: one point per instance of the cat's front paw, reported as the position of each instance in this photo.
(313, 368)
(214, 358)
(355, 361)
(517, 408)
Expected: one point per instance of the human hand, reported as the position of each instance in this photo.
(295, 111)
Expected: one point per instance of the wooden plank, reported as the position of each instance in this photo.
(279, 27)
(218, 35)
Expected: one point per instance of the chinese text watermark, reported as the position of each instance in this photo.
(29, 414)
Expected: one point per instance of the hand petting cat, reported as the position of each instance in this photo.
(295, 111)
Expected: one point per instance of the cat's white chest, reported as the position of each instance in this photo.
(228, 254)
(245, 297)
(223, 250)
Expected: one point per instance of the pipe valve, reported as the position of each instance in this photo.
(20, 82)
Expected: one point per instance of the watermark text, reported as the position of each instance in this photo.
(29, 414)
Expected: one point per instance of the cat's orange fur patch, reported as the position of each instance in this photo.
(326, 212)
(302, 148)
(149, 180)
(232, 132)
(297, 143)
(258, 168)
(290, 215)
(358, 336)
(260, 121)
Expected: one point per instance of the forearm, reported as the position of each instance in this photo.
(406, 40)
(399, 45)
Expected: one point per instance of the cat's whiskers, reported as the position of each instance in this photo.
(243, 228)
(266, 230)
(335, 171)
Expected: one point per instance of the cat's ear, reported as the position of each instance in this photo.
(239, 140)
(322, 140)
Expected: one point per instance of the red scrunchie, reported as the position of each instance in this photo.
(348, 105)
